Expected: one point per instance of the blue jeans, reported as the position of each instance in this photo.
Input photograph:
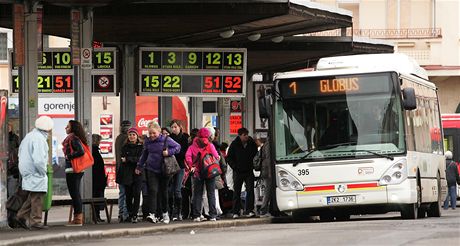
(122, 208)
(452, 194)
(198, 185)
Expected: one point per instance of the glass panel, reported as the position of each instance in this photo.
(346, 116)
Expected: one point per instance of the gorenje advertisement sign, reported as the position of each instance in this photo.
(213, 72)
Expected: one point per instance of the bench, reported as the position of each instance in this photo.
(92, 202)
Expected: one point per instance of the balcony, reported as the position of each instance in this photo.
(407, 33)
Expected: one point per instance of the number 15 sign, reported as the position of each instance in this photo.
(212, 72)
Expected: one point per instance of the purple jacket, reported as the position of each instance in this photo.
(152, 154)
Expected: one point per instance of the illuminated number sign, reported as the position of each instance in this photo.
(48, 83)
(56, 74)
(192, 71)
(335, 85)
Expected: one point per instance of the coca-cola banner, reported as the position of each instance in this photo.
(142, 122)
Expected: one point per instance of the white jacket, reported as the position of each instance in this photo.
(33, 160)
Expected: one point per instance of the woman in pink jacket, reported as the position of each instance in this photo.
(201, 143)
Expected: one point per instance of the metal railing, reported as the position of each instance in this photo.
(406, 33)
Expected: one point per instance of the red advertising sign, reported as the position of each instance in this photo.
(235, 123)
(110, 171)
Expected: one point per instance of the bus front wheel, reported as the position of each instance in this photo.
(411, 211)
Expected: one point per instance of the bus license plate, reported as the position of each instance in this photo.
(341, 200)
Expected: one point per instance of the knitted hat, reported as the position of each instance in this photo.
(44, 123)
(212, 131)
(204, 133)
(133, 129)
(448, 155)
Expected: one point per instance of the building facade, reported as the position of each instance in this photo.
(427, 30)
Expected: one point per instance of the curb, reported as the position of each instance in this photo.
(114, 233)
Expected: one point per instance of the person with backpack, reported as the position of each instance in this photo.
(199, 154)
(156, 147)
(240, 158)
(453, 179)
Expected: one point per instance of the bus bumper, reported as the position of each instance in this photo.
(403, 193)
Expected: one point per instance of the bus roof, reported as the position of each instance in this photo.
(450, 120)
(367, 63)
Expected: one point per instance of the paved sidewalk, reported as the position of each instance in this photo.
(57, 232)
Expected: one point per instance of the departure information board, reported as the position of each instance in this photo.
(211, 72)
(56, 73)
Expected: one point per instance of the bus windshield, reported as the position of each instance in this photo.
(346, 116)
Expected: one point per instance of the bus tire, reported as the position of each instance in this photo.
(435, 207)
(411, 211)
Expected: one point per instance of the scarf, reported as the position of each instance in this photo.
(66, 143)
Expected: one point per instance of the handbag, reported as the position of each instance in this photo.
(170, 165)
(15, 201)
(83, 162)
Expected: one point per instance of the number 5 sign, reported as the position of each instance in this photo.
(86, 58)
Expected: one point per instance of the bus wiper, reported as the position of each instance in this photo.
(368, 151)
(374, 153)
(330, 146)
(303, 157)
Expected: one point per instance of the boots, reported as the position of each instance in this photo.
(77, 220)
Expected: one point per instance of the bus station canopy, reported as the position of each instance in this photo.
(201, 23)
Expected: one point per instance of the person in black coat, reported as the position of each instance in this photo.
(131, 151)
(99, 176)
(240, 158)
(181, 138)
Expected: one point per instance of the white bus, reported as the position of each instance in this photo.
(355, 137)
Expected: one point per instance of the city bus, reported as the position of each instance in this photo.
(355, 137)
(451, 129)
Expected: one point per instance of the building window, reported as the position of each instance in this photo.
(3, 46)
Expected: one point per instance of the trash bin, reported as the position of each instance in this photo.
(49, 195)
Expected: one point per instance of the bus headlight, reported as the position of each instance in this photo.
(286, 181)
(396, 174)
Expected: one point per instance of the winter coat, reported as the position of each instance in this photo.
(13, 146)
(119, 142)
(192, 153)
(152, 153)
(241, 158)
(182, 139)
(99, 177)
(452, 175)
(132, 152)
(72, 153)
(33, 160)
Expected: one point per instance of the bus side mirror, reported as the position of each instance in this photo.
(409, 100)
(264, 103)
